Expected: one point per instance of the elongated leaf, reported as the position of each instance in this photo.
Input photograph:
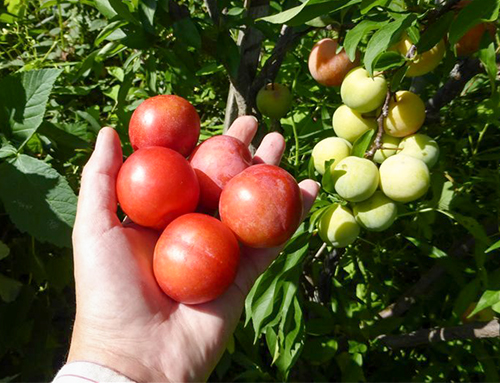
(488, 58)
(388, 60)
(185, 30)
(493, 247)
(23, 99)
(38, 200)
(362, 144)
(488, 299)
(427, 249)
(354, 36)
(9, 288)
(148, 10)
(367, 5)
(435, 33)
(386, 36)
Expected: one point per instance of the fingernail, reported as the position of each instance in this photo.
(255, 118)
(319, 185)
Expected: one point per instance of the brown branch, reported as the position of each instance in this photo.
(377, 143)
(476, 330)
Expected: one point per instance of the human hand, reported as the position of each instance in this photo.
(123, 319)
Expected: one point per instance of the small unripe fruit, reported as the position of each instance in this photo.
(350, 124)
(355, 179)
(361, 92)
(406, 114)
(390, 145)
(377, 213)
(274, 100)
(327, 66)
(338, 226)
(404, 178)
(331, 148)
(422, 147)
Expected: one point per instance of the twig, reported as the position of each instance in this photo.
(377, 143)
(476, 330)
(213, 10)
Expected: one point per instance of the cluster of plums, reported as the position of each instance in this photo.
(171, 185)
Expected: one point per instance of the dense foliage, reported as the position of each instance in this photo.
(68, 67)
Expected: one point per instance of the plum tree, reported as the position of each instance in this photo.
(406, 114)
(355, 179)
(338, 226)
(389, 148)
(404, 178)
(331, 148)
(422, 147)
(327, 66)
(274, 100)
(361, 92)
(376, 213)
(350, 124)
(424, 62)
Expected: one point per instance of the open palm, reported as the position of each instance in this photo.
(124, 321)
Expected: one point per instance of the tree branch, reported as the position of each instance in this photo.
(476, 330)
(377, 143)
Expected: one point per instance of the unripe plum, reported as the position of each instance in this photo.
(350, 124)
(424, 62)
(155, 185)
(338, 226)
(404, 178)
(406, 114)
(377, 213)
(331, 148)
(361, 92)
(165, 120)
(262, 205)
(327, 66)
(390, 145)
(196, 259)
(422, 147)
(274, 100)
(355, 179)
(215, 162)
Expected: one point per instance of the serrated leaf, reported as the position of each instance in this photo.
(362, 144)
(386, 36)
(39, 200)
(4, 250)
(388, 60)
(9, 288)
(23, 99)
(354, 36)
(471, 15)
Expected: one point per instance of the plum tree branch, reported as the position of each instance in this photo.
(377, 143)
(476, 330)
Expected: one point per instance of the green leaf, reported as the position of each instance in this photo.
(385, 37)
(4, 250)
(23, 99)
(362, 144)
(327, 179)
(9, 288)
(111, 32)
(488, 58)
(493, 247)
(388, 60)
(319, 350)
(488, 299)
(471, 15)
(435, 32)
(367, 5)
(427, 249)
(38, 200)
(105, 8)
(148, 10)
(185, 30)
(7, 150)
(354, 36)
(470, 224)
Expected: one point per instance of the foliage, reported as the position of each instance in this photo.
(68, 67)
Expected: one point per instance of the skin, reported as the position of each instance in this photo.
(350, 125)
(390, 144)
(262, 205)
(196, 259)
(404, 178)
(331, 148)
(338, 227)
(165, 120)
(361, 92)
(123, 319)
(422, 147)
(355, 179)
(377, 213)
(424, 62)
(155, 185)
(215, 162)
(406, 114)
(328, 67)
(274, 100)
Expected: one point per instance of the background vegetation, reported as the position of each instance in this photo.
(68, 67)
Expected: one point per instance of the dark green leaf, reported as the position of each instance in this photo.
(427, 249)
(488, 299)
(367, 5)
(9, 288)
(493, 247)
(398, 77)
(488, 58)
(362, 144)
(435, 32)
(388, 60)
(185, 30)
(38, 200)
(148, 10)
(327, 180)
(354, 36)
(4, 250)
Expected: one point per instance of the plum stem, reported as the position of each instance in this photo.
(377, 143)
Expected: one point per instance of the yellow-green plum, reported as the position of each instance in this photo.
(390, 147)
(420, 146)
(338, 226)
(350, 124)
(424, 62)
(331, 148)
(361, 92)
(274, 100)
(377, 213)
(355, 179)
(404, 178)
(406, 114)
